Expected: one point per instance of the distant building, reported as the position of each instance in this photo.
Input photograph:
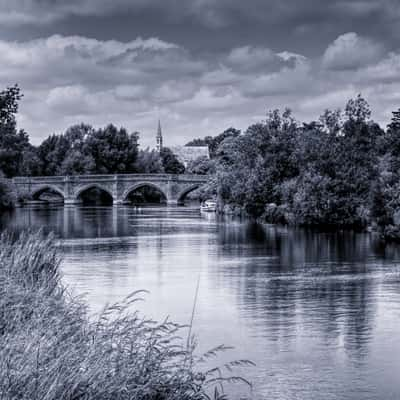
(185, 154)
(159, 141)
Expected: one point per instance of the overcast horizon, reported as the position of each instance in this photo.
(201, 66)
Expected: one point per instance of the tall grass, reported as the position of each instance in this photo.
(51, 350)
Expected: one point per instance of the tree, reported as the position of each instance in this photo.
(7, 194)
(77, 163)
(332, 121)
(358, 155)
(170, 163)
(385, 200)
(149, 162)
(394, 125)
(32, 165)
(214, 142)
(338, 161)
(113, 150)
(201, 166)
(76, 135)
(313, 202)
(200, 142)
(358, 109)
(217, 140)
(107, 151)
(12, 141)
(52, 152)
(252, 167)
(392, 139)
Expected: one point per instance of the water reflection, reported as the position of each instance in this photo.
(318, 312)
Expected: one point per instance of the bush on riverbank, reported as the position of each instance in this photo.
(8, 197)
(51, 350)
(386, 201)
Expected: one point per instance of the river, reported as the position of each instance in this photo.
(319, 313)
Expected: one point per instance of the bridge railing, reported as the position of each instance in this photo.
(119, 177)
(24, 179)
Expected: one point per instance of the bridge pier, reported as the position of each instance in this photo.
(72, 202)
(172, 202)
(120, 202)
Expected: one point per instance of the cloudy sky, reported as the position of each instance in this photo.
(200, 66)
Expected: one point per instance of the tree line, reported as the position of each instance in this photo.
(81, 149)
(342, 170)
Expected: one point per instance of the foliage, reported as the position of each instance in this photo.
(315, 202)
(149, 162)
(52, 152)
(83, 149)
(32, 165)
(201, 166)
(339, 170)
(214, 142)
(392, 140)
(12, 141)
(50, 349)
(274, 214)
(113, 150)
(209, 190)
(253, 165)
(319, 173)
(170, 163)
(385, 207)
(77, 163)
(7, 193)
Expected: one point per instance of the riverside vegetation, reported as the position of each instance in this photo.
(51, 350)
(340, 171)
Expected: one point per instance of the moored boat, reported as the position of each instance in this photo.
(209, 206)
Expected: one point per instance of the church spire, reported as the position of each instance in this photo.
(159, 138)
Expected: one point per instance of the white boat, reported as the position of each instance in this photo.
(208, 205)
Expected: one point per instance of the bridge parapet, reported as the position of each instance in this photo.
(180, 177)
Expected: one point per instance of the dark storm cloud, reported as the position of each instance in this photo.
(200, 65)
(304, 26)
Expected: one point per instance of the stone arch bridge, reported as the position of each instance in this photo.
(173, 187)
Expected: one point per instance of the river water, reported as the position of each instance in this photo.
(319, 313)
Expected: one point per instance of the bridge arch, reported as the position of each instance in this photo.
(182, 195)
(37, 191)
(81, 189)
(139, 185)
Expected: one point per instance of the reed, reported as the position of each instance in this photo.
(51, 350)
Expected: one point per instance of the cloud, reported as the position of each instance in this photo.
(199, 65)
(212, 13)
(130, 92)
(386, 70)
(210, 101)
(251, 59)
(350, 51)
(284, 82)
(72, 79)
(69, 100)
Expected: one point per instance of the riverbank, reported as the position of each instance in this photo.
(8, 197)
(282, 215)
(50, 349)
